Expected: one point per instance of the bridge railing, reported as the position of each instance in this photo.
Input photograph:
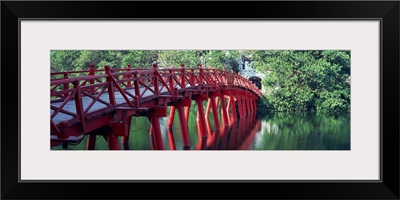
(128, 87)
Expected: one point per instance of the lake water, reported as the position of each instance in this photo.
(276, 132)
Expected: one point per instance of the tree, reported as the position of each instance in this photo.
(306, 80)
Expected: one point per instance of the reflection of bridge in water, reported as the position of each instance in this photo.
(239, 134)
(102, 102)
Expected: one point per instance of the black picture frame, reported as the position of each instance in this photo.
(386, 11)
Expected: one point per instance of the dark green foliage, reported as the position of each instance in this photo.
(81, 59)
(297, 81)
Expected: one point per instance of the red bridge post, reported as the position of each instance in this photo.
(214, 112)
(248, 103)
(200, 114)
(228, 105)
(126, 121)
(155, 82)
(187, 111)
(155, 124)
(171, 117)
(171, 78)
(136, 84)
(245, 109)
(112, 141)
(151, 136)
(183, 75)
(110, 85)
(91, 73)
(171, 139)
(223, 109)
(234, 114)
(208, 109)
(255, 104)
(201, 73)
(65, 85)
(91, 142)
(239, 103)
(252, 104)
(184, 128)
(79, 106)
(128, 69)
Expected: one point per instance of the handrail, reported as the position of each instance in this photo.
(146, 83)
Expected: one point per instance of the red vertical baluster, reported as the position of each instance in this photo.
(65, 85)
(155, 81)
(183, 76)
(136, 84)
(91, 73)
(79, 105)
(110, 86)
(171, 79)
(128, 69)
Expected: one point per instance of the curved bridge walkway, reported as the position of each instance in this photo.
(102, 102)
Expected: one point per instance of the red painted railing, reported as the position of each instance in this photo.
(134, 89)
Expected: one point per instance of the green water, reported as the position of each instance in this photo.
(277, 132)
(304, 132)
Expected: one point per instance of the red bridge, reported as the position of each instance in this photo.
(102, 102)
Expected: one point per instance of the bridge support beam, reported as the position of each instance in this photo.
(184, 128)
(208, 109)
(155, 127)
(201, 117)
(171, 117)
(227, 109)
(251, 104)
(125, 142)
(223, 108)
(91, 142)
(248, 104)
(112, 141)
(232, 103)
(171, 139)
(187, 111)
(126, 122)
(254, 105)
(155, 124)
(239, 103)
(214, 112)
(151, 136)
(245, 105)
